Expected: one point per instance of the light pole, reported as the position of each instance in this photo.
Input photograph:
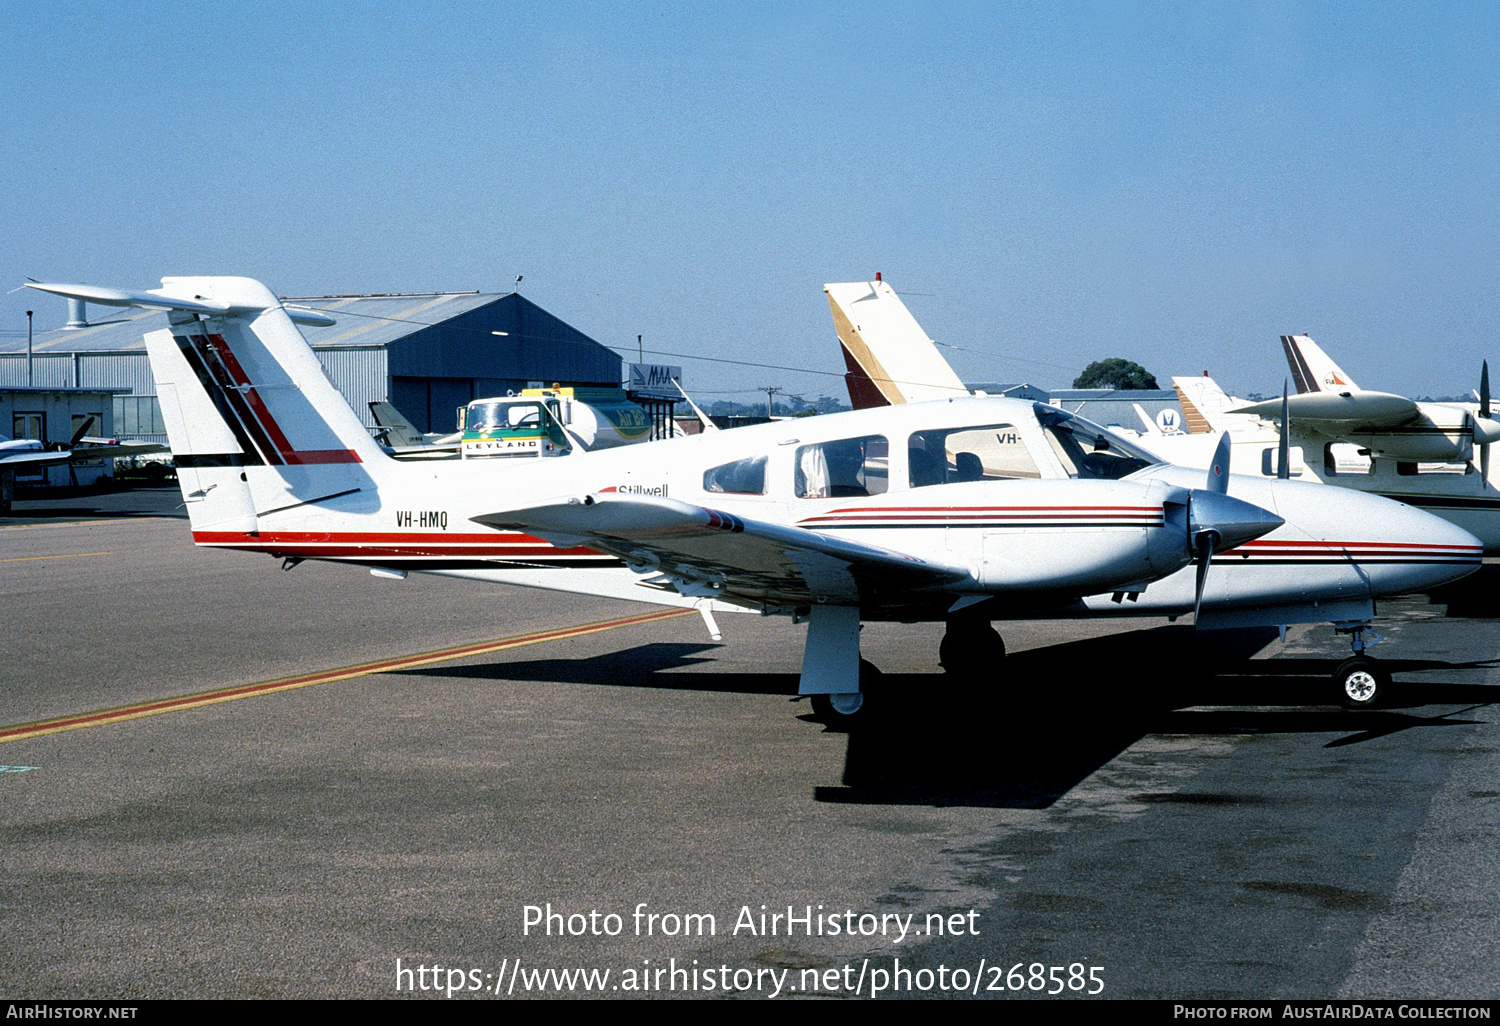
(28, 349)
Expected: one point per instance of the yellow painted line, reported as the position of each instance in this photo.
(67, 555)
(82, 523)
(57, 725)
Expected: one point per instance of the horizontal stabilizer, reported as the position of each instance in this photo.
(169, 298)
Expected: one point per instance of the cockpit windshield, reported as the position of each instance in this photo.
(1087, 450)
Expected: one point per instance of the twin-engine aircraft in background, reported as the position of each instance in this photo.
(960, 511)
(1432, 455)
(25, 454)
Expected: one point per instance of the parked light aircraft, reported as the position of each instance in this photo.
(402, 437)
(1420, 453)
(891, 360)
(23, 454)
(962, 511)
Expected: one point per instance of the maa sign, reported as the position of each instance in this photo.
(654, 379)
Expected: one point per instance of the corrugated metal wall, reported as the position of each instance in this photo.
(80, 370)
(359, 372)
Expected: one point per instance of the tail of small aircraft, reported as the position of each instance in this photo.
(889, 357)
(1312, 369)
(398, 430)
(257, 429)
(1204, 404)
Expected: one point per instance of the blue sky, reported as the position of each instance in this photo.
(1049, 184)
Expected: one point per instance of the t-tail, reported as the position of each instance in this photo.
(1312, 369)
(258, 432)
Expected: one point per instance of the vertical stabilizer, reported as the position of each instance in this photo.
(1312, 369)
(257, 429)
(1204, 404)
(260, 436)
(889, 357)
(398, 430)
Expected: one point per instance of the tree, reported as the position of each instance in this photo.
(1114, 373)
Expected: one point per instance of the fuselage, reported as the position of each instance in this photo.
(1042, 525)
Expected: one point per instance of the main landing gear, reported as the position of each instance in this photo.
(849, 709)
(970, 647)
(845, 689)
(1360, 680)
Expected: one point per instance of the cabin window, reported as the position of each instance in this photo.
(1346, 458)
(847, 467)
(948, 455)
(1087, 450)
(742, 477)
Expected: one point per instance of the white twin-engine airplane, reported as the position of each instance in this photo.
(963, 511)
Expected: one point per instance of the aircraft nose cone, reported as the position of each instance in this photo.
(1234, 520)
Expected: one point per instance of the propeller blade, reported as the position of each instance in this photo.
(83, 429)
(1206, 543)
(1484, 413)
(1218, 470)
(1284, 447)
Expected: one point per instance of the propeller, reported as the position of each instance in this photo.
(1284, 447)
(1217, 522)
(1486, 429)
(83, 429)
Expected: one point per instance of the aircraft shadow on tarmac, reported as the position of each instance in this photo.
(1053, 715)
(1474, 597)
(1062, 712)
(647, 666)
(87, 503)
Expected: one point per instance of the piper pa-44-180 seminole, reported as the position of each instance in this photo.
(962, 511)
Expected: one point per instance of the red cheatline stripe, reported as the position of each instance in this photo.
(970, 517)
(368, 537)
(994, 509)
(132, 712)
(1363, 544)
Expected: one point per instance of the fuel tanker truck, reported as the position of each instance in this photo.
(554, 421)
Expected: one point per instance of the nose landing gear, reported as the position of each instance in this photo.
(1360, 681)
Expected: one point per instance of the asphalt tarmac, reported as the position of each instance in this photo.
(1155, 813)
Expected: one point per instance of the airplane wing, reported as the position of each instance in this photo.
(704, 552)
(101, 449)
(1339, 412)
(34, 457)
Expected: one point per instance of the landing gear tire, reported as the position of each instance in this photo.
(970, 648)
(842, 712)
(1361, 682)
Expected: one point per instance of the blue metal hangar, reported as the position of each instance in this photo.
(427, 353)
